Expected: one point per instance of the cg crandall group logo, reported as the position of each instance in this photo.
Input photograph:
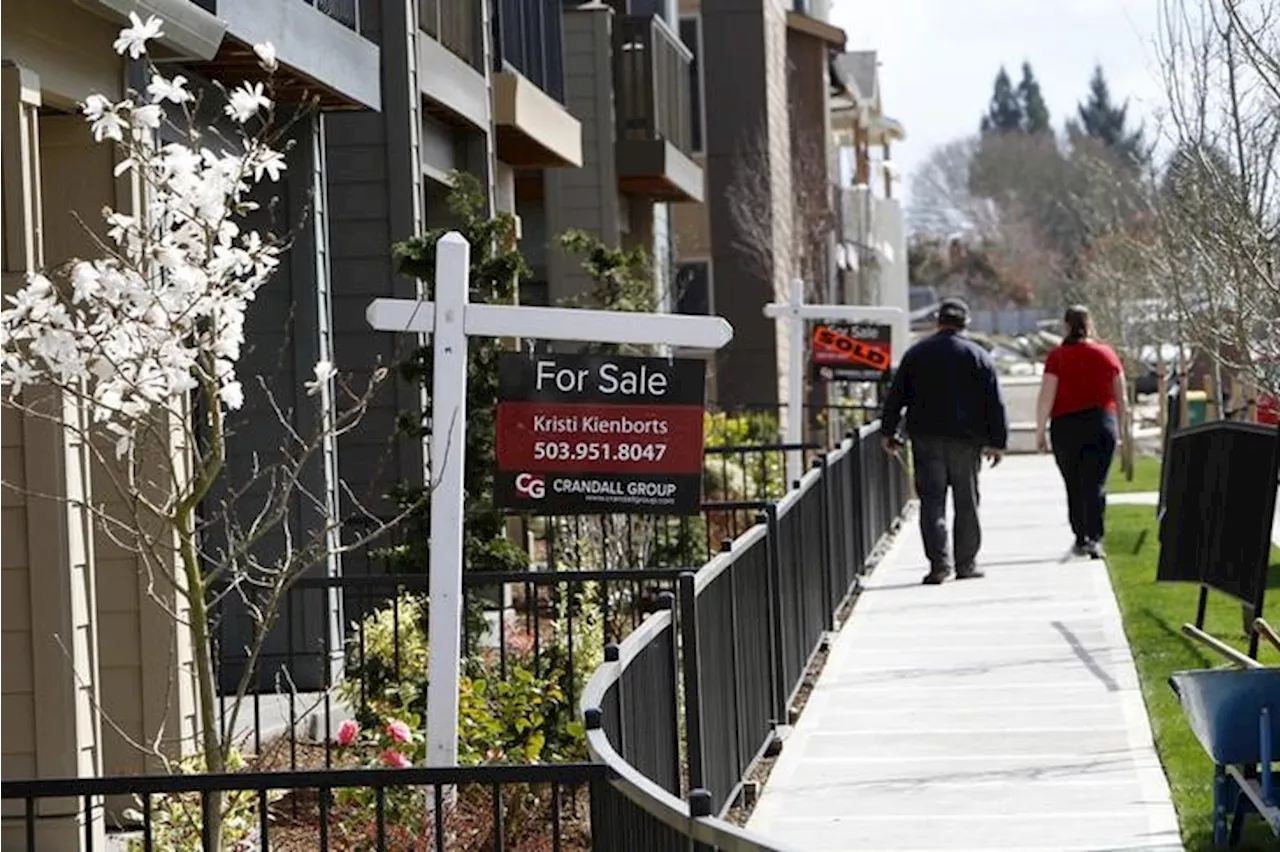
(531, 486)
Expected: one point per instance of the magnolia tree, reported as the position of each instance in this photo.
(142, 342)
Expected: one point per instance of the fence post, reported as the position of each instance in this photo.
(611, 656)
(692, 679)
(740, 752)
(667, 601)
(828, 529)
(774, 549)
(849, 485)
(857, 507)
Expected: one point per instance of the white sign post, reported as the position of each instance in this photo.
(795, 310)
(450, 320)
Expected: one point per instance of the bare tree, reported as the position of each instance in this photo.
(1218, 208)
(783, 247)
(942, 200)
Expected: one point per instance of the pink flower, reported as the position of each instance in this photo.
(347, 732)
(395, 759)
(398, 731)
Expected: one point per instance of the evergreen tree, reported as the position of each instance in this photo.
(1105, 122)
(1035, 114)
(1004, 115)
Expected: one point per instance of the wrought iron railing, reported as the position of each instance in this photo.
(740, 638)
(651, 82)
(711, 664)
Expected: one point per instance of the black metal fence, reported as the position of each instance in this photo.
(733, 653)
(676, 712)
(484, 807)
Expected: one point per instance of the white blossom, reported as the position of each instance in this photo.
(133, 39)
(163, 314)
(324, 372)
(162, 89)
(266, 53)
(246, 101)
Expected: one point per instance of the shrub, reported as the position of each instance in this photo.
(177, 820)
(519, 712)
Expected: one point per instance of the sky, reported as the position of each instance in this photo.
(938, 59)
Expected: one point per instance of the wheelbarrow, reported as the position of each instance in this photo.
(1235, 714)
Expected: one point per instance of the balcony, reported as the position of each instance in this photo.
(533, 128)
(319, 43)
(455, 24)
(528, 38)
(451, 76)
(654, 111)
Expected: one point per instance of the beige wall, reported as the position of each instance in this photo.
(69, 48)
(146, 695)
(778, 120)
(49, 642)
(60, 662)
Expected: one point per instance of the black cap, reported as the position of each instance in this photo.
(953, 312)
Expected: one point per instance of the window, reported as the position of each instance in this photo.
(691, 35)
(693, 288)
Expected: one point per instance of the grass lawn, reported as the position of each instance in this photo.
(1153, 615)
(1146, 476)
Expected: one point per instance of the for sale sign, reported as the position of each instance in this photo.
(599, 434)
(851, 352)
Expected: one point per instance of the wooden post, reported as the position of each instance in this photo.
(1162, 391)
(1213, 396)
(1235, 402)
(1184, 386)
(1126, 431)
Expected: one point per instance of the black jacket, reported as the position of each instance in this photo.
(949, 387)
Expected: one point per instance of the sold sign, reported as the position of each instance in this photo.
(851, 352)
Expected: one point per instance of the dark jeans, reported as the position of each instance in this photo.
(942, 463)
(1083, 445)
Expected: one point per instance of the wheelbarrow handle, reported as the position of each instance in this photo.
(1268, 632)
(1237, 658)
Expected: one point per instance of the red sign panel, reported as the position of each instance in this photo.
(583, 434)
(857, 353)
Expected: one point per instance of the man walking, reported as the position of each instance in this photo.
(955, 415)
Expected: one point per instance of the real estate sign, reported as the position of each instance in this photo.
(851, 352)
(599, 434)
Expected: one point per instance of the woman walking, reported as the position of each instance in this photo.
(1082, 398)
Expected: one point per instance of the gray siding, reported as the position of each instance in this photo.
(283, 341)
(585, 198)
(374, 201)
(733, 40)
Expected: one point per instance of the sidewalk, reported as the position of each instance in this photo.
(1001, 713)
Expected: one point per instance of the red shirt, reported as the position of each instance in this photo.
(1086, 372)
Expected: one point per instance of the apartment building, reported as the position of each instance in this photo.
(85, 636)
(871, 246)
(770, 169)
(627, 79)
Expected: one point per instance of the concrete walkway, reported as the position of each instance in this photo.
(1000, 713)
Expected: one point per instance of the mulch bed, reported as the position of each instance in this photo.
(469, 825)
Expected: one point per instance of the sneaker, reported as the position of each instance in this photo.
(1095, 551)
(936, 576)
(1080, 548)
(970, 573)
